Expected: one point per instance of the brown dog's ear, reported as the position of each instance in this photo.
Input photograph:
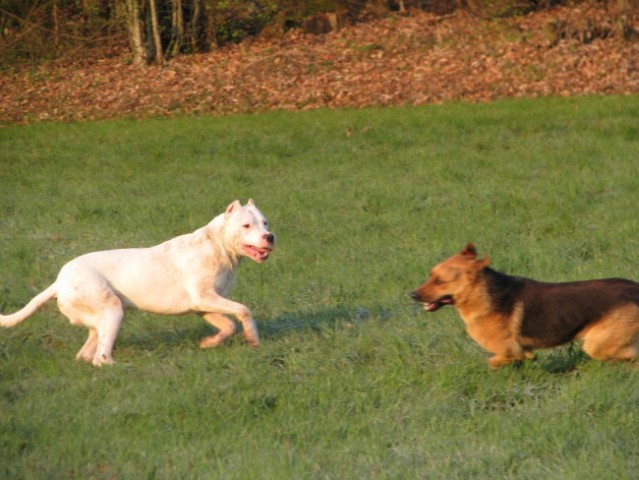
(483, 263)
(469, 251)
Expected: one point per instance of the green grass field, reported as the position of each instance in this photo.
(352, 380)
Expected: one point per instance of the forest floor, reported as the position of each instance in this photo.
(397, 60)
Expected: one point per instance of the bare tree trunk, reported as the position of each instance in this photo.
(625, 19)
(186, 24)
(210, 29)
(56, 24)
(177, 27)
(197, 36)
(155, 32)
(134, 26)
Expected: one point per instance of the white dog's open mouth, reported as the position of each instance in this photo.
(257, 254)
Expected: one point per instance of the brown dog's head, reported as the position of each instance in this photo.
(450, 279)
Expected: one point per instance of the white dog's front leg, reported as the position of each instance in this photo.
(225, 326)
(241, 312)
(249, 327)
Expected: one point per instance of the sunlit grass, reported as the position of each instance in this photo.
(351, 379)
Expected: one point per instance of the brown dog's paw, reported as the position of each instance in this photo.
(498, 361)
(501, 361)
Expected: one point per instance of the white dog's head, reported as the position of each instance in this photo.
(247, 229)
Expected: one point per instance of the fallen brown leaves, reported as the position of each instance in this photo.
(414, 60)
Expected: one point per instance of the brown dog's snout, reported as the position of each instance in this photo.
(415, 295)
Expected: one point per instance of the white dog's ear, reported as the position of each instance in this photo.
(233, 206)
(250, 203)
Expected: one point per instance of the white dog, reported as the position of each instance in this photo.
(189, 273)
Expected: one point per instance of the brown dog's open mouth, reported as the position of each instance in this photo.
(256, 253)
(439, 303)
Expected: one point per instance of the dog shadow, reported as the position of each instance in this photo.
(177, 335)
(564, 359)
(322, 320)
(561, 360)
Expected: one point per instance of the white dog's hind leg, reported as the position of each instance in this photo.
(225, 326)
(87, 352)
(108, 329)
(87, 299)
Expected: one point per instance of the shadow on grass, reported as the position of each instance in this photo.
(192, 328)
(565, 360)
(329, 319)
(560, 360)
(188, 330)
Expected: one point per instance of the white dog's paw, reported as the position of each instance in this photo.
(103, 359)
(212, 341)
(252, 339)
(83, 357)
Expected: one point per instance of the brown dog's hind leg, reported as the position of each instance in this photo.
(614, 337)
(610, 350)
(627, 353)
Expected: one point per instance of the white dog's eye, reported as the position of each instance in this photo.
(246, 225)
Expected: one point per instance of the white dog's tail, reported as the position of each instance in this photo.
(35, 303)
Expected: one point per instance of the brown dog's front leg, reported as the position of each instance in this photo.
(504, 359)
(499, 361)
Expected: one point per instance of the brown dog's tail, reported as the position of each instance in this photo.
(35, 303)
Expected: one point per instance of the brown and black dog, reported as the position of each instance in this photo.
(511, 316)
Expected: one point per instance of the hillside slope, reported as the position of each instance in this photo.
(414, 59)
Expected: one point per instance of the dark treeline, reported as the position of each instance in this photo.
(155, 30)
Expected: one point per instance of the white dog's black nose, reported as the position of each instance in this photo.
(269, 237)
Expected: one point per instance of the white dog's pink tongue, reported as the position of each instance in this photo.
(257, 254)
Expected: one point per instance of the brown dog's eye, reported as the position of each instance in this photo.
(438, 281)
